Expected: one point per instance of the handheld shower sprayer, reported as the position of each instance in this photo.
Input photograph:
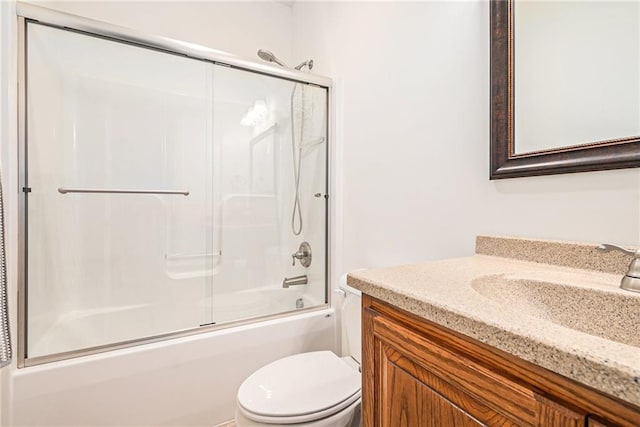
(296, 143)
(268, 56)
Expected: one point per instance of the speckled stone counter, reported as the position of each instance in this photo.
(449, 293)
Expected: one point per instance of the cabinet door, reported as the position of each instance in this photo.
(406, 398)
(418, 373)
(595, 423)
(549, 413)
(411, 380)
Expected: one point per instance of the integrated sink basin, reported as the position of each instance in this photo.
(592, 304)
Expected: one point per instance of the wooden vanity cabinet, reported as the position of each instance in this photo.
(595, 423)
(419, 374)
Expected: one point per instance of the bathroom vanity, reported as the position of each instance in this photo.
(497, 341)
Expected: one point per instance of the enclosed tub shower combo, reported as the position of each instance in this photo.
(165, 192)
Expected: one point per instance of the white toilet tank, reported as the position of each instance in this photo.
(351, 321)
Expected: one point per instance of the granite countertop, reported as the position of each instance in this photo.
(449, 293)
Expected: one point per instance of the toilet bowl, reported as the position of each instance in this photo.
(315, 389)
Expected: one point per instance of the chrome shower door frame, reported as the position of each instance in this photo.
(29, 13)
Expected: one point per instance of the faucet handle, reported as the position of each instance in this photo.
(300, 255)
(631, 280)
(606, 247)
(303, 255)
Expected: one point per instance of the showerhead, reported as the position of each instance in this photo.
(308, 63)
(265, 55)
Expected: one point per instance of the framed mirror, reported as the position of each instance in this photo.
(565, 86)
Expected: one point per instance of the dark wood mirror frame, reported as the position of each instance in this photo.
(600, 155)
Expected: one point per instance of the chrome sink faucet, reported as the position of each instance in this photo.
(631, 280)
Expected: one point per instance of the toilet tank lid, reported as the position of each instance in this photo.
(342, 283)
(300, 384)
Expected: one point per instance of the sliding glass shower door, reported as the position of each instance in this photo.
(263, 128)
(119, 162)
(163, 194)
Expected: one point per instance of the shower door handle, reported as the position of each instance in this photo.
(65, 190)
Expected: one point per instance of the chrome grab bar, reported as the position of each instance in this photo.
(65, 190)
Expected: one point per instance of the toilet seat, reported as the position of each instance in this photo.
(299, 388)
(301, 418)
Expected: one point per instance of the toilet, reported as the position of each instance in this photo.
(316, 389)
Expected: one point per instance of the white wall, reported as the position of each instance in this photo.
(413, 131)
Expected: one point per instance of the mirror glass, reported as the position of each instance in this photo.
(576, 76)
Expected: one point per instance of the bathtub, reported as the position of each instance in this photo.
(82, 329)
(188, 381)
(260, 302)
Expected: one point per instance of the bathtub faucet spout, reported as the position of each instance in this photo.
(294, 281)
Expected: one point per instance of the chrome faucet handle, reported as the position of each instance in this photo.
(606, 247)
(303, 254)
(631, 280)
(296, 255)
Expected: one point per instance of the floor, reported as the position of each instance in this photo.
(227, 424)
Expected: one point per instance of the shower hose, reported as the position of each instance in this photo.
(296, 214)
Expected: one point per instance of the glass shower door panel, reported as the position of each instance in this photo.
(116, 133)
(264, 127)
